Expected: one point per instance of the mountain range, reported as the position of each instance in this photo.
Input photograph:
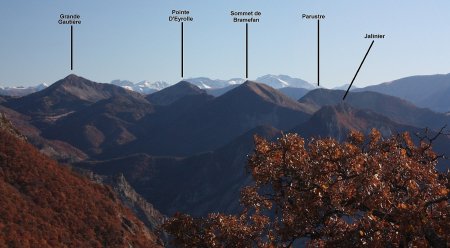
(143, 87)
(274, 81)
(428, 91)
(283, 81)
(207, 83)
(21, 91)
(398, 110)
(183, 148)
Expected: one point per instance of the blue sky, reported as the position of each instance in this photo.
(134, 40)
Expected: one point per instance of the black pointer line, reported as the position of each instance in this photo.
(182, 50)
(71, 47)
(318, 52)
(246, 50)
(362, 62)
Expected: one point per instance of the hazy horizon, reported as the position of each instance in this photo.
(224, 79)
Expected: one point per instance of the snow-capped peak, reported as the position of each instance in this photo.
(207, 83)
(144, 87)
(282, 81)
(22, 90)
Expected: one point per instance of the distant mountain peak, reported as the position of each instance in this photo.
(72, 75)
(275, 81)
(19, 91)
(66, 95)
(207, 83)
(185, 83)
(184, 86)
(251, 91)
(429, 91)
(260, 88)
(71, 80)
(85, 89)
(253, 86)
(282, 81)
(250, 83)
(174, 92)
(143, 87)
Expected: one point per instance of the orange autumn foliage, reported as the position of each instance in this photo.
(43, 204)
(322, 193)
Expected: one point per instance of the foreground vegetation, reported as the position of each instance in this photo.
(365, 191)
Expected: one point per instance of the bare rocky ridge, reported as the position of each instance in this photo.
(144, 210)
(7, 126)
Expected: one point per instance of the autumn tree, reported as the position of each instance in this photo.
(363, 192)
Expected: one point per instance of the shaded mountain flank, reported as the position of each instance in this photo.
(294, 93)
(172, 93)
(400, 111)
(107, 123)
(336, 121)
(218, 121)
(125, 123)
(207, 182)
(56, 149)
(428, 91)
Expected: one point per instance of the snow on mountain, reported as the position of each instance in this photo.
(144, 87)
(158, 85)
(235, 81)
(21, 90)
(282, 81)
(207, 83)
(147, 87)
(41, 86)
